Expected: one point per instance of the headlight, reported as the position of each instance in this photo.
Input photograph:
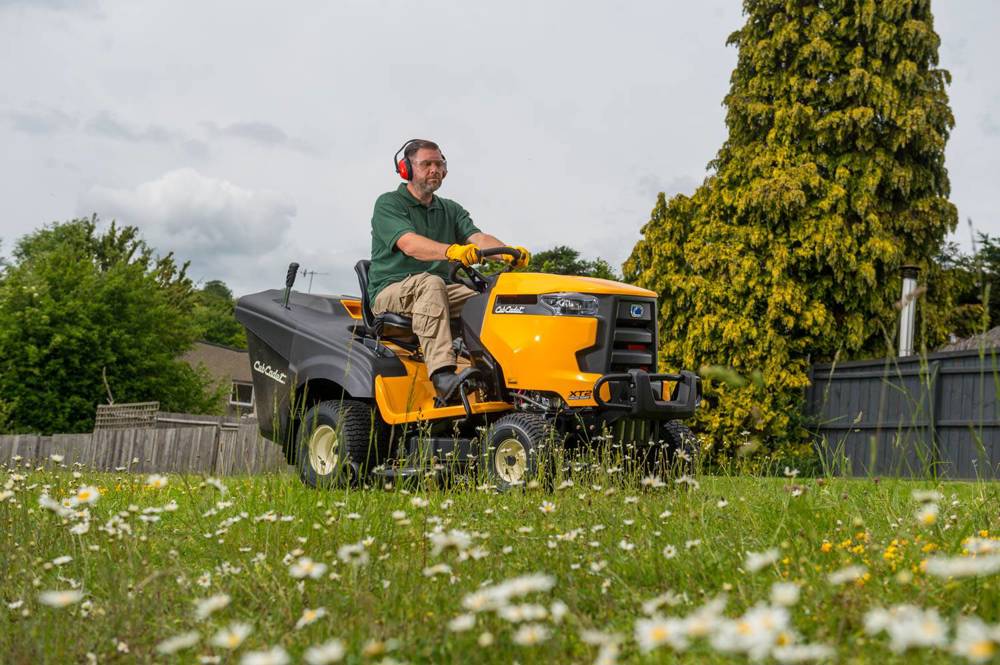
(571, 304)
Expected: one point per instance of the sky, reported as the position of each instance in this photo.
(246, 135)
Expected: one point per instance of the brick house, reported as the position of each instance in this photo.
(227, 365)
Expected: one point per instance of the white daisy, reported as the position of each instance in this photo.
(60, 598)
(530, 634)
(845, 575)
(310, 616)
(354, 554)
(178, 642)
(273, 656)
(437, 569)
(331, 651)
(927, 515)
(87, 494)
(232, 636)
(454, 539)
(927, 496)
(462, 623)
(156, 481)
(974, 640)
(785, 594)
(908, 626)
(205, 607)
(802, 653)
(758, 560)
(657, 631)
(963, 566)
(306, 567)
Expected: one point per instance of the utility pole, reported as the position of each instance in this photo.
(309, 274)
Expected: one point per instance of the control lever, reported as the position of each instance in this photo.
(293, 270)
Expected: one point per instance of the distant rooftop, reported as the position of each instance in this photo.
(987, 340)
(225, 363)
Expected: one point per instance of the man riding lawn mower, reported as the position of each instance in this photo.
(439, 363)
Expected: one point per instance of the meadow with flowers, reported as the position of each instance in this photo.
(603, 567)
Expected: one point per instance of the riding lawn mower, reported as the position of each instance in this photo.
(550, 360)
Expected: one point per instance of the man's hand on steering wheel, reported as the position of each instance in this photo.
(467, 255)
(520, 261)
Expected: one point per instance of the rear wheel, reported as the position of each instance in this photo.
(515, 451)
(338, 443)
(673, 453)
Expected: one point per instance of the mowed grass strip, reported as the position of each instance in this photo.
(600, 566)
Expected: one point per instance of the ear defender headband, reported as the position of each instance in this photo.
(403, 166)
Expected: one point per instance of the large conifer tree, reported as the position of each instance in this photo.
(832, 178)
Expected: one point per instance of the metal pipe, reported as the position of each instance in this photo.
(907, 316)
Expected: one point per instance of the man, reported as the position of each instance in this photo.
(414, 236)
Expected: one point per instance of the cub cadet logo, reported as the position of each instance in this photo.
(509, 309)
(269, 372)
(579, 394)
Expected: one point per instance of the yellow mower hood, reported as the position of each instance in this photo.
(537, 283)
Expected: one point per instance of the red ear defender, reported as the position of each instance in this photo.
(403, 166)
(403, 169)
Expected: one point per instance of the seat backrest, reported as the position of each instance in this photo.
(361, 268)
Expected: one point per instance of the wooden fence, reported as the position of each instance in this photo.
(931, 416)
(213, 450)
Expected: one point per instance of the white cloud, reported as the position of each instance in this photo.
(106, 124)
(263, 134)
(40, 121)
(227, 231)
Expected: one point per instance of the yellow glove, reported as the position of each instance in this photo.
(521, 261)
(467, 255)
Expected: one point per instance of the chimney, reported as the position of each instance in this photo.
(907, 318)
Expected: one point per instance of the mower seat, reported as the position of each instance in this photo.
(388, 322)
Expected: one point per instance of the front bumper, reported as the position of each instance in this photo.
(633, 392)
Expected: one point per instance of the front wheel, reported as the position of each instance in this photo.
(337, 443)
(682, 446)
(515, 450)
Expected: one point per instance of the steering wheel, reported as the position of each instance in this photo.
(473, 279)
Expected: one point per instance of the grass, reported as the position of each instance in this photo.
(603, 544)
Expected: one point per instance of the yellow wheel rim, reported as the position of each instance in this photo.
(510, 461)
(324, 453)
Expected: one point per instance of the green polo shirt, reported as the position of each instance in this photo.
(399, 212)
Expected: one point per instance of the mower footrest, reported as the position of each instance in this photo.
(421, 451)
(393, 473)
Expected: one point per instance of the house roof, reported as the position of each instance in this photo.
(222, 362)
(987, 340)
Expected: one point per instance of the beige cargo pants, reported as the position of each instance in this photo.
(430, 303)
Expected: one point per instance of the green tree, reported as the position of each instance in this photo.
(955, 291)
(83, 313)
(214, 315)
(832, 177)
(562, 260)
(987, 264)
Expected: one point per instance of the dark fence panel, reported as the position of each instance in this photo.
(936, 415)
(210, 450)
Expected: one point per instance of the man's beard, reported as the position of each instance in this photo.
(427, 187)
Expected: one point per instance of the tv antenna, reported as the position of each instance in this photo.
(309, 274)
